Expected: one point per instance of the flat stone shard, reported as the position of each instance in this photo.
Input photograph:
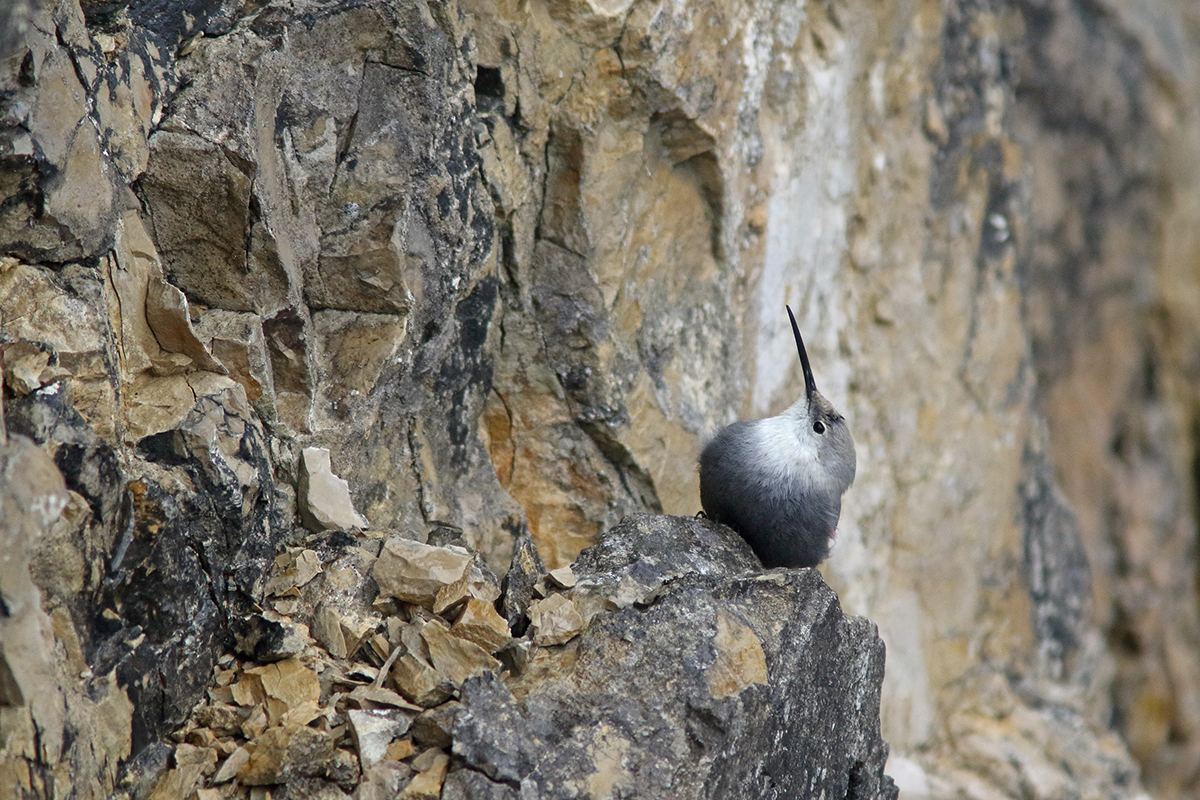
(416, 572)
(285, 753)
(325, 503)
(756, 682)
(420, 682)
(374, 732)
(481, 624)
(555, 620)
(456, 659)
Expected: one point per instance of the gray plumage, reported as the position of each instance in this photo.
(779, 481)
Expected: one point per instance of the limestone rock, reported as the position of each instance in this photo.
(420, 682)
(524, 571)
(285, 753)
(434, 727)
(512, 263)
(374, 731)
(698, 637)
(427, 785)
(415, 572)
(325, 502)
(479, 623)
(554, 620)
(456, 659)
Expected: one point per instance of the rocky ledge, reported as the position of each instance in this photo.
(664, 664)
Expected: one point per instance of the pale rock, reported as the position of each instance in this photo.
(284, 753)
(293, 570)
(419, 682)
(327, 629)
(740, 661)
(434, 727)
(223, 719)
(169, 320)
(237, 341)
(563, 577)
(324, 498)
(369, 697)
(415, 572)
(427, 784)
(555, 620)
(287, 685)
(374, 731)
(383, 780)
(236, 760)
(480, 623)
(475, 583)
(400, 750)
(457, 659)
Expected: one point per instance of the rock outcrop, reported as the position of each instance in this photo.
(696, 674)
(284, 281)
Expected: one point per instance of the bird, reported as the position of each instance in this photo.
(779, 481)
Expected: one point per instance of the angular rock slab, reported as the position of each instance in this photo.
(744, 684)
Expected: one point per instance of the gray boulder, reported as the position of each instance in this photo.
(710, 678)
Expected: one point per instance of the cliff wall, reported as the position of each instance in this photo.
(511, 263)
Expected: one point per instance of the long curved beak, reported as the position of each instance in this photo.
(810, 384)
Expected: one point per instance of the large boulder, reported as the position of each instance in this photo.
(710, 678)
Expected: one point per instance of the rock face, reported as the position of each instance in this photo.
(509, 264)
(723, 682)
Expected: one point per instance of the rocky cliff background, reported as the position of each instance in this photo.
(511, 262)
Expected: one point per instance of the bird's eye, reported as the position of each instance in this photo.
(819, 426)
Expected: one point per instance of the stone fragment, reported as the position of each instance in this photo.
(481, 624)
(327, 629)
(516, 654)
(420, 682)
(289, 686)
(27, 367)
(382, 781)
(344, 769)
(169, 321)
(400, 750)
(457, 659)
(374, 731)
(415, 572)
(237, 759)
(324, 498)
(524, 571)
(248, 691)
(293, 570)
(467, 784)
(372, 696)
(269, 637)
(563, 577)
(236, 340)
(286, 752)
(222, 719)
(555, 620)
(427, 784)
(434, 727)
(255, 723)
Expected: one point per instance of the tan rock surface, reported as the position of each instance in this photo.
(416, 572)
(479, 623)
(511, 264)
(555, 620)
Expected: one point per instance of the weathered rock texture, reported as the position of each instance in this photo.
(772, 691)
(510, 263)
